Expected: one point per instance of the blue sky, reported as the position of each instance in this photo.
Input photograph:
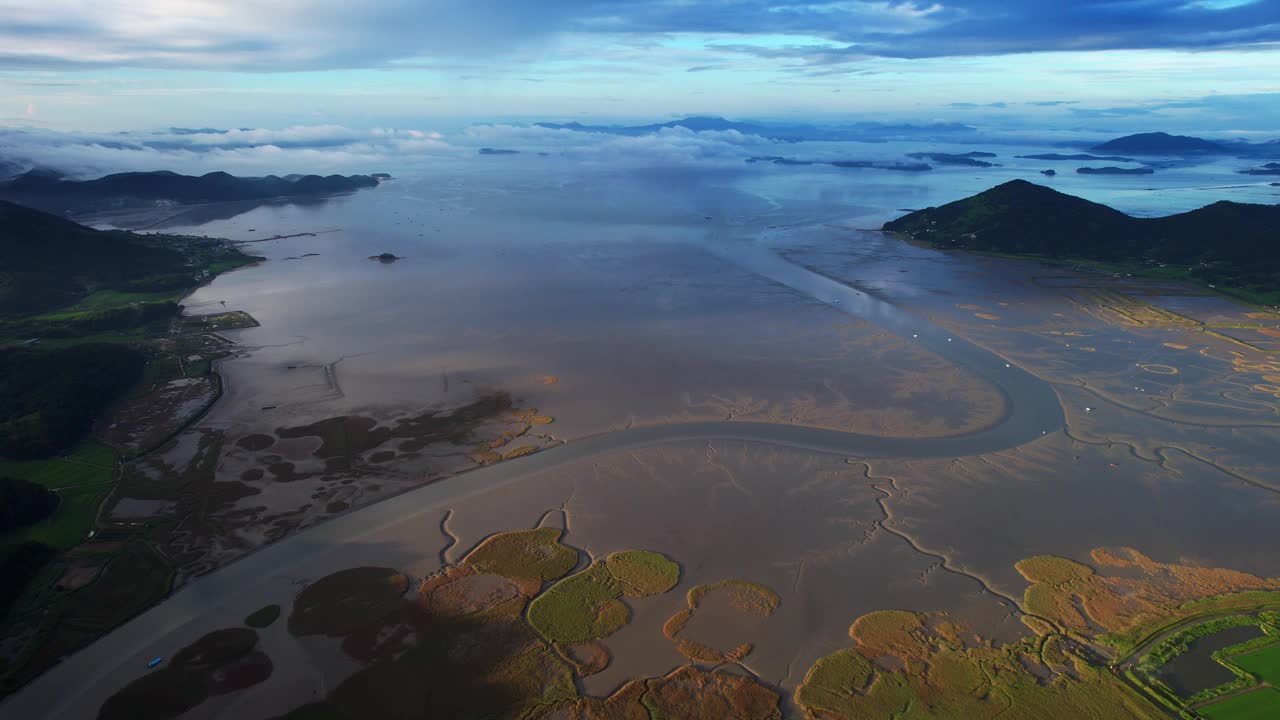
(112, 64)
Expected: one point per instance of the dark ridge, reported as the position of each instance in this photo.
(49, 191)
(49, 262)
(1077, 156)
(968, 159)
(1159, 143)
(1268, 169)
(777, 160)
(1115, 171)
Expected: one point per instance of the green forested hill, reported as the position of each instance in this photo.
(1236, 245)
(48, 262)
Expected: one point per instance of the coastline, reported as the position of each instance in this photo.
(1138, 271)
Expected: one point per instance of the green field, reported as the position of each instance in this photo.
(82, 479)
(1260, 704)
(1264, 663)
(108, 299)
(87, 464)
(69, 524)
(117, 336)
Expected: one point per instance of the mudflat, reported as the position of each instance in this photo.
(868, 462)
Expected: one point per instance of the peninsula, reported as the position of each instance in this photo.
(50, 191)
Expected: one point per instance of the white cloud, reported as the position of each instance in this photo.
(250, 35)
(322, 34)
(334, 148)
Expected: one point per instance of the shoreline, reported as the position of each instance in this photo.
(1136, 270)
(152, 215)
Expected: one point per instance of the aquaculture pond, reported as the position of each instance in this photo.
(1196, 670)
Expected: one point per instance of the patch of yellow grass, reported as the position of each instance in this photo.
(519, 452)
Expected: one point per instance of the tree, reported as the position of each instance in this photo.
(24, 503)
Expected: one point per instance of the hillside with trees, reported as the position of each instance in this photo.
(1234, 245)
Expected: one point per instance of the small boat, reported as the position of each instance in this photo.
(154, 662)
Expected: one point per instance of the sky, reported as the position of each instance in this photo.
(115, 64)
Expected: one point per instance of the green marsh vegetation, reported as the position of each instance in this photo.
(535, 556)
(587, 605)
(467, 643)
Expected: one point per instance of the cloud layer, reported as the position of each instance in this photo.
(325, 34)
(325, 149)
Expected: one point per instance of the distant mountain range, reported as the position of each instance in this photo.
(1115, 171)
(1158, 143)
(50, 191)
(787, 132)
(1121, 149)
(1231, 244)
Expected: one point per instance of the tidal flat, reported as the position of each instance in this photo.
(726, 371)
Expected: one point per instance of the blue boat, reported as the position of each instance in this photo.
(154, 662)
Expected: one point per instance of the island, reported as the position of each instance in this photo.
(1268, 169)
(1227, 244)
(857, 164)
(779, 160)
(1077, 156)
(1049, 173)
(386, 257)
(51, 191)
(969, 159)
(880, 165)
(1158, 143)
(1115, 171)
(498, 151)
